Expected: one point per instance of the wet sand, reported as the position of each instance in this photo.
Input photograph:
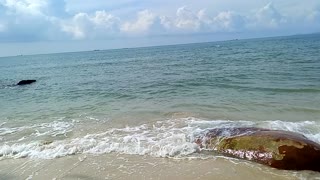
(113, 166)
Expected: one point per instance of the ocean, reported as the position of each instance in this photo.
(135, 113)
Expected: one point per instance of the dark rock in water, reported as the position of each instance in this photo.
(278, 149)
(25, 82)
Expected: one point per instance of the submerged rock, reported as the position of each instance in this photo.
(25, 82)
(275, 148)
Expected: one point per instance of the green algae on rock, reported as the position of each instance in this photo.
(275, 148)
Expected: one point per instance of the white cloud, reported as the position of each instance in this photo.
(99, 24)
(186, 19)
(2, 27)
(78, 26)
(25, 7)
(314, 16)
(203, 16)
(228, 21)
(145, 19)
(28, 20)
(267, 17)
(34, 20)
(34, 7)
(74, 6)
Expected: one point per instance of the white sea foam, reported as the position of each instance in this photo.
(1, 124)
(53, 129)
(169, 138)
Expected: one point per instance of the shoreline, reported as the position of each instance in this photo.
(119, 166)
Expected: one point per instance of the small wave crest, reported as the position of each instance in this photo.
(169, 138)
(55, 128)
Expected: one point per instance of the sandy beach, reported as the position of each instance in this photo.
(112, 166)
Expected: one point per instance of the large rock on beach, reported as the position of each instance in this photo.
(275, 148)
(25, 82)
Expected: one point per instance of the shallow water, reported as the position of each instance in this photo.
(112, 166)
(155, 101)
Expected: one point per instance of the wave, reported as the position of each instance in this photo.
(55, 128)
(173, 138)
(270, 89)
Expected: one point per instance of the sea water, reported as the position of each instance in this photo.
(155, 101)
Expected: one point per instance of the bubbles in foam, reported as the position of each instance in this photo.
(310, 129)
(1, 124)
(53, 129)
(169, 138)
(161, 139)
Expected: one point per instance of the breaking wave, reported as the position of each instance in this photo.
(169, 138)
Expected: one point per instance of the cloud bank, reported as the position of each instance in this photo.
(41, 20)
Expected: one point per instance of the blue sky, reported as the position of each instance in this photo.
(45, 26)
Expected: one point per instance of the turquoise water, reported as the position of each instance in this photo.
(257, 79)
(272, 82)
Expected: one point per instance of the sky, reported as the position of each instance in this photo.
(48, 26)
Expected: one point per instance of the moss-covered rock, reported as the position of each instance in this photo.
(278, 149)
